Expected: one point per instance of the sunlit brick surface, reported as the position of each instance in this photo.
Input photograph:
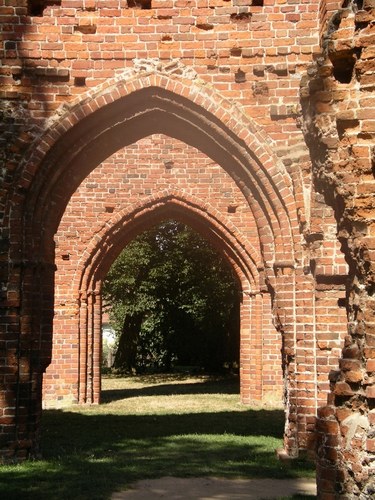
(252, 121)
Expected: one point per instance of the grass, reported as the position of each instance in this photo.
(150, 427)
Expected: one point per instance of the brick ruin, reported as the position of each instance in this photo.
(137, 187)
(252, 121)
(337, 98)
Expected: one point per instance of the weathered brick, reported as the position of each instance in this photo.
(231, 75)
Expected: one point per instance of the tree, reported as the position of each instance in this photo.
(172, 300)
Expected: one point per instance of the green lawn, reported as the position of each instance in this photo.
(149, 427)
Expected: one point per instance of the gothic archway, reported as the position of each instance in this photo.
(120, 115)
(81, 303)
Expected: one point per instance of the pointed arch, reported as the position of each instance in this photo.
(128, 110)
(119, 115)
(205, 219)
(85, 312)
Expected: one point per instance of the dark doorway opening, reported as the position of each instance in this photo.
(173, 305)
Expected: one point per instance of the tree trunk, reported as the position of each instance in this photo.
(126, 354)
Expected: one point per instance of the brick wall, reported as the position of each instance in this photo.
(80, 81)
(327, 9)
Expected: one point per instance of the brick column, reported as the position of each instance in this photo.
(90, 348)
(272, 373)
(97, 347)
(27, 340)
(82, 342)
(295, 313)
(251, 348)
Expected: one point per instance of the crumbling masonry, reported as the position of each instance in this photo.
(253, 121)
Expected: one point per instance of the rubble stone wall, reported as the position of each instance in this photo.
(338, 101)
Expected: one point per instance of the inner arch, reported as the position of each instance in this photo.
(104, 248)
(80, 307)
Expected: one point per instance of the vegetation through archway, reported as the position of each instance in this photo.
(173, 300)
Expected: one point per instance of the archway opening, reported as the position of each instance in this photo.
(136, 188)
(173, 303)
(77, 146)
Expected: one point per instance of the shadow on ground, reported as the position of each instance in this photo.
(207, 386)
(89, 456)
(92, 452)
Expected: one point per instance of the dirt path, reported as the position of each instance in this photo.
(207, 488)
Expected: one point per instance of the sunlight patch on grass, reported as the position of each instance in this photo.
(174, 404)
(172, 394)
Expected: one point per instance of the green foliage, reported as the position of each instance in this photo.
(173, 300)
